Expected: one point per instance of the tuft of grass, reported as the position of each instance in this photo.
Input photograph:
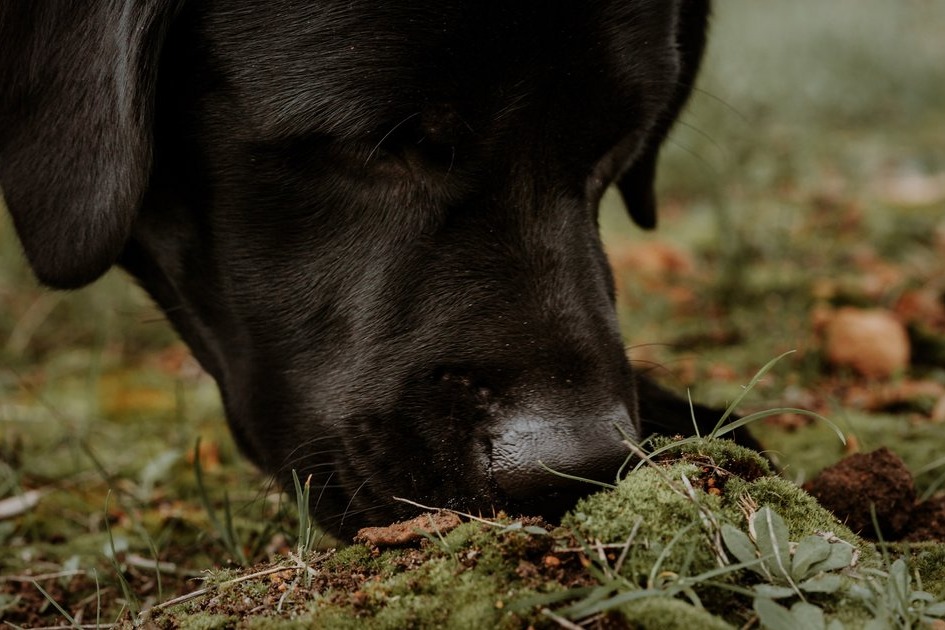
(306, 538)
(52, 600)
(224, 529)
(131, 600)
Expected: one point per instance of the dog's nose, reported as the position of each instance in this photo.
(529, 451)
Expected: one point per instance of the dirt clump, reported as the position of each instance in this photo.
(863, 483)
(928, 521)
(410, 531)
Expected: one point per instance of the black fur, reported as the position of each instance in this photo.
(375, 223)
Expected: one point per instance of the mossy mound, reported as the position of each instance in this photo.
(648, 554)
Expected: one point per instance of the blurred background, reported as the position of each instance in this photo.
(803, 209)
(802, 194)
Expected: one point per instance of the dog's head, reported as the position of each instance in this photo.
(375, 224)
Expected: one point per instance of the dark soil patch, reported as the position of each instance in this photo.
(879, 483)
(87, 599)
(928, 521)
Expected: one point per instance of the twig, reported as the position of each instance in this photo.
(42, 576)
(561, 621)
(626, 547)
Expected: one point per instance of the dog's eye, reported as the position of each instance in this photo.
(440, 154)
(416, 150)
(429, 137)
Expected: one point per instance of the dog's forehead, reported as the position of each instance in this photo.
(351, 68)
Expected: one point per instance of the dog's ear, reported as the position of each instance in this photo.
(76, 103)
(636, 184)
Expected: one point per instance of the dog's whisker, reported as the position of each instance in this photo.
(723, 102)
(710, 168)
(354, 495)
(700, 132)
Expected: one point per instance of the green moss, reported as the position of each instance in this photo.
(350, 556)
(206, 621)
(302, 622)
(929, 561)
(439, 595)
(660, 613)
(662, 511)
(439, 592)
(725, 454)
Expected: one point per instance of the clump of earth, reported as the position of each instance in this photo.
(878, 485)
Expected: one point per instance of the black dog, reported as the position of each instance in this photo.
(374, 223)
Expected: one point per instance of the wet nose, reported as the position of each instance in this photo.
(525, 447)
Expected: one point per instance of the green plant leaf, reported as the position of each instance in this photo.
(841, 557)
(810, 551)
(921, 596)
(773, 541)
(587, 608)
(739, 544)
(808, 616)
(822, 583)
(861, 592)
(935, 610)
(899, 572)
(774, 616)
(772, 591)
(536, 530)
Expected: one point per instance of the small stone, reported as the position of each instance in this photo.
(552, 561)
(873, 342)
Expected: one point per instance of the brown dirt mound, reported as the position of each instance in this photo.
(860, 484)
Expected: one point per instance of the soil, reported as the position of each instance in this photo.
(405, 532)
(879, 482)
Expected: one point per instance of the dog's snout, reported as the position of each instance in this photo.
(534, 457)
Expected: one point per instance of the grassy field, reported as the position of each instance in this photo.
(808, 175)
